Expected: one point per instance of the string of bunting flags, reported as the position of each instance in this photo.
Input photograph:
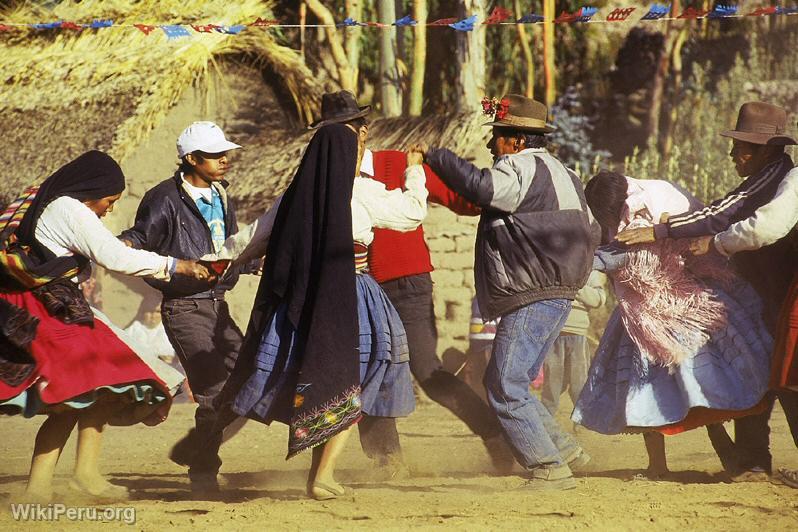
(499, 16)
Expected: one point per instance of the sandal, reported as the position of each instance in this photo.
(317, 491)
(789, 477)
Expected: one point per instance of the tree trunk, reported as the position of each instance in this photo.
(658, 85)
(354, 9)
(419, 58)
(676, 81)
(335, 40)
(471, 48)
(390, 90)
(529, 89)
(549, 14)
(303, 18)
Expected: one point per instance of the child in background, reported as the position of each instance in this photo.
(567, 364)
(147, 330)
(480, 344)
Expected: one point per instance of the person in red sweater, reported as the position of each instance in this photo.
(401, 263)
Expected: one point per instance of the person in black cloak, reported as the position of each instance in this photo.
(324, 345)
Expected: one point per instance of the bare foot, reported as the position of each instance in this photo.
(326, 489)
(98, 486)
(36, 495)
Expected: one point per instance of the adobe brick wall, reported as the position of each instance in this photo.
(451, 243)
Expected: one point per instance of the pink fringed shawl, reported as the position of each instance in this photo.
(666, 309)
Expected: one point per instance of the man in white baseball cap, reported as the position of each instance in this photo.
(191, 215)
(205, 137)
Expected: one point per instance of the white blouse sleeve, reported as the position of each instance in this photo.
(400, 210)
(251, 241)
(768, 224)
(67, 225)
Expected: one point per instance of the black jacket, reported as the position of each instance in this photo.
(168, 222)
(536, 236)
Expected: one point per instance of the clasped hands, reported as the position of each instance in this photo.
(415, 153)
(196, 270)
(645, 235)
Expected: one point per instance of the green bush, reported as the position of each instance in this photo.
(699, 160)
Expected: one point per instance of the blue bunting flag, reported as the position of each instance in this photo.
(347, 23)
(657, 12)
(530, 18)
(101, 23)
(406, 20)
(232, 30)
(175, 31)
(46, 25)
(466, 24)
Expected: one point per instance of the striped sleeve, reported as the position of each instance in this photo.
(769, 223)
(718, 216)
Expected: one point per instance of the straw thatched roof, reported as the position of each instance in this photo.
(64, 91)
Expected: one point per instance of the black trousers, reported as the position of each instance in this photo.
(752, 433)
(412, 297)
(207, 341)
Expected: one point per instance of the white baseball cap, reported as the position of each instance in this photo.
(203, 136)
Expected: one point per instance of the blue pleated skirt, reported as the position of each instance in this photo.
(625, 392)
(386, 385)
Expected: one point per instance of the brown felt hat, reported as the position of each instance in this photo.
(337, 107)
(761, 123)
(525, 114)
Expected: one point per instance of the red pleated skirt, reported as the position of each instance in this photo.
(784, 373)
(75, 360)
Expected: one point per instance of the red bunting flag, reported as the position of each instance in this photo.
(3, 27)
(71, 26)
(205, 28)
(566, 17)
(620, 14)
(692, 13)
(498, 15)
(443, 22)
(146, 29)
(262, 22)
(762, 11)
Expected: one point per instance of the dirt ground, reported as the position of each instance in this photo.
(451, 484)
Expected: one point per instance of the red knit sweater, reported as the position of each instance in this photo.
(394, 254)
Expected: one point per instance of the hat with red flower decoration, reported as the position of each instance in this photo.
(517, 112)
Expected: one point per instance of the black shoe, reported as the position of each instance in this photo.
(755, 474)
(204, 483)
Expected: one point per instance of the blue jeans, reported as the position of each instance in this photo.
(522, 340)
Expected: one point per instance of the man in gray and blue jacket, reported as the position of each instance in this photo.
(534, 251)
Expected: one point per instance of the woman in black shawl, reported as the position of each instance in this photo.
(324, 345)
(58, 356)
